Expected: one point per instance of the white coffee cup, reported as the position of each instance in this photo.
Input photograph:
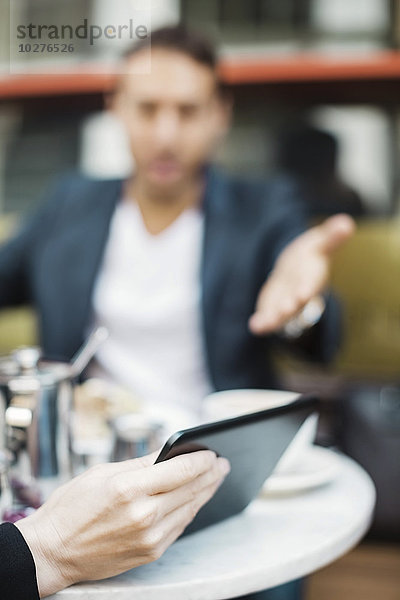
(232, 403)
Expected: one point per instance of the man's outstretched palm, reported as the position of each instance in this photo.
(301, 272)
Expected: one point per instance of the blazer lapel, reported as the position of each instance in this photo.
(95, 238)
(217, 261)
(75, 263)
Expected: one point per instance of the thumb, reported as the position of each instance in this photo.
(334, 231)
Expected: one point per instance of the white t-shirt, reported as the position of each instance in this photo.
(147, 294)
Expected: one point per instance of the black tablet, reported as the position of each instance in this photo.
(253, 443)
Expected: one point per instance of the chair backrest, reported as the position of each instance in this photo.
(366, 276)
(18, 326)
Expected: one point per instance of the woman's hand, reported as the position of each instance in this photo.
(118, 516)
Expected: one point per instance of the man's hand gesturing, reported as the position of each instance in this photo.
(301, 272)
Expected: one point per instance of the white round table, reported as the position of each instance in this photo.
(275, 540)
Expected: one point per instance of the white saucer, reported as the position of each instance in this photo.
(316, 466)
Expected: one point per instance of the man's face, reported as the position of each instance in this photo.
(173, 117)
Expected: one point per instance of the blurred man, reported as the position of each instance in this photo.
(194, 273)
(191, 271)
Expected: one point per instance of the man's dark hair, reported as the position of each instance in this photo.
(182, 39)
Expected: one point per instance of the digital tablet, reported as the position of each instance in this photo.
(253, 443)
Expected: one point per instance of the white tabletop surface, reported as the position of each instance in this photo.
(275, 540)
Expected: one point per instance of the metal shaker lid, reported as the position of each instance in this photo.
(25, 370)
(25, 366)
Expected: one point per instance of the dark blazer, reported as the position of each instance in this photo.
(54, 260)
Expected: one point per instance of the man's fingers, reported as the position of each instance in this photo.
(334, 231)
(301, 272)
(276, 306)
(261, 324)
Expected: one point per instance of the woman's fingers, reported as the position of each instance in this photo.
(167, 502)
(117, 516)
(175, 472)
(170, 527)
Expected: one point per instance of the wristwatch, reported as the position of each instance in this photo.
(307, 318)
